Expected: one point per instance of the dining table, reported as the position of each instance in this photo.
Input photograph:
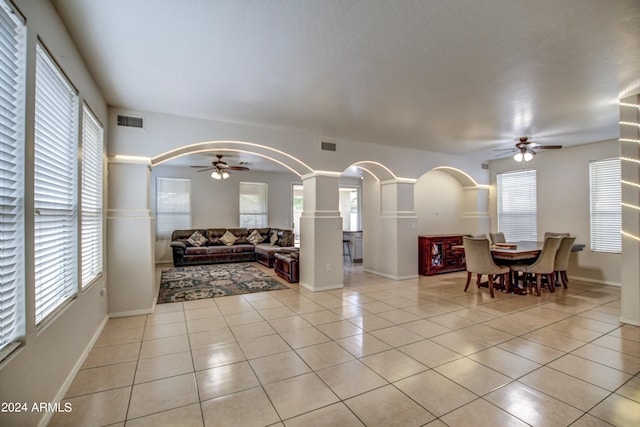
(519, 251)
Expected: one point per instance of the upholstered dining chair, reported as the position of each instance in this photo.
(544, 265)
(552, 234)
(477, 253)
(497, 237)
(562, 260)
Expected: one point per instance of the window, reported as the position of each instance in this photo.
(12, 58)
(517, 206)
(253, 205)
(91, 198)
(55, 187)
(350, 208)
(606, 208)
(173, 206)
(297, 207)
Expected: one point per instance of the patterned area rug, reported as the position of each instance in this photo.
(211, 281)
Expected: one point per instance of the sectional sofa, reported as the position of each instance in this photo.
(224, 245)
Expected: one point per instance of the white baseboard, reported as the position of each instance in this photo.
(76, 368)
(133, 312)
(629, 322)
(322, 288)
(390, 276)
(590, 280)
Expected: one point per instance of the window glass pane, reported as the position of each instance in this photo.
(55, 187)
(173, 206)
(350, 208)
(606, 208)
(297, 210)
(91, 222)
(253, 205)
(517, 206)
(12, 57)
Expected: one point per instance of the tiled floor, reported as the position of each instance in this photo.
(376, 353)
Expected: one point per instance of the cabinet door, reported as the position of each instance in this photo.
(436, 255)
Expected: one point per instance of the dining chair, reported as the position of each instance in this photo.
(497, 237)
(477, 252)
(552, 234)
(544, 265)
(562, 260)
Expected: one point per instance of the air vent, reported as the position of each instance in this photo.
(130, 121)
(485, 166)
(328, 146)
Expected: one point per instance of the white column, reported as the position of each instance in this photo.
(130, 240)
(321, 260)
(397, 234)
(630, 153)
(475, 216)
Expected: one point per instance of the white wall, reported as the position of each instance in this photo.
(563, 202)
(39, 370)
(439, 204)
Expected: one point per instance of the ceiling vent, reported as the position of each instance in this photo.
(328, 146)
(130, 121)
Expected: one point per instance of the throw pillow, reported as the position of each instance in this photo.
(254, 238)
(228, 238)
(274, 238)
(196, 239)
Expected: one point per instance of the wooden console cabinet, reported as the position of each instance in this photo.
(436, 254)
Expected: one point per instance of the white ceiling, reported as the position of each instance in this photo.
(445, 75)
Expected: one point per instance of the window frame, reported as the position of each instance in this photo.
(261, 212)
(604, 238)
(163, 232)
(518, 219)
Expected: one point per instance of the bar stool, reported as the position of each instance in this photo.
(346, 249)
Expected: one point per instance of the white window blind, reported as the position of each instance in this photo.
(517, 206)
(253, 204)
(606, 208)
(173, 206)
(55, 187)
(12, 58)
(91, 198)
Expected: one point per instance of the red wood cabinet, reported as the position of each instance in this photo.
(436, 254)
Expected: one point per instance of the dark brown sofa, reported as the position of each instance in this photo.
(212, 248)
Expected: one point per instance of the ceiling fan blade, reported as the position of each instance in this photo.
(205, 169)
(547, 147)
(237, 168)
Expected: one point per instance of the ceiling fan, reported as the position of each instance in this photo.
(220, 168)
(525, 149)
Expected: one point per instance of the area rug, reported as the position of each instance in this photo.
(211, 281)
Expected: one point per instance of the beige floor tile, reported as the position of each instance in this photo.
(531, 350)
(96, 409)
(245, 408)
(334, 415)
(452, 321)
(565, 388)
(426, 328)
(102, 378)
(473, 376)
(363, 345)
(387, 406)
(514, 327)
(226, 379)
(631, 389)
(393, 365)
(487, 334)
(223, 354)
(532, 406)
(119, 336)
(277, 367)
(242, 318)
(252, 330)
(618, 411)
(350, 379)
(320, 317)
(209, 338)
(102, 356)
(291, 323)
(611, 358)
(200, 303)
(589, 421)
(481, 413)
(186, 416)
(297, 338)
(125, 323)
(164, 330)
(298, 395)
(627, 332)
(632, 348)
(461, 343)
(429, 353)
(396, 336)
(206, 324)
(376, 307)
(398, 316)
(556, 341)
(161, 395)
(370, 322)
(437, 394)
(337, 330)
(320, 356)
(163, 367)
(164, 346)
(163, 318)
(169, 307)
(263, 346)
(506, 363)
(202, 313)
(349, 311)
(578, 333)
(591, 372)
(276, 312)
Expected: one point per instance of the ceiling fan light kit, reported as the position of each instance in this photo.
(219, 175)
(524, 149)
(221, 168)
